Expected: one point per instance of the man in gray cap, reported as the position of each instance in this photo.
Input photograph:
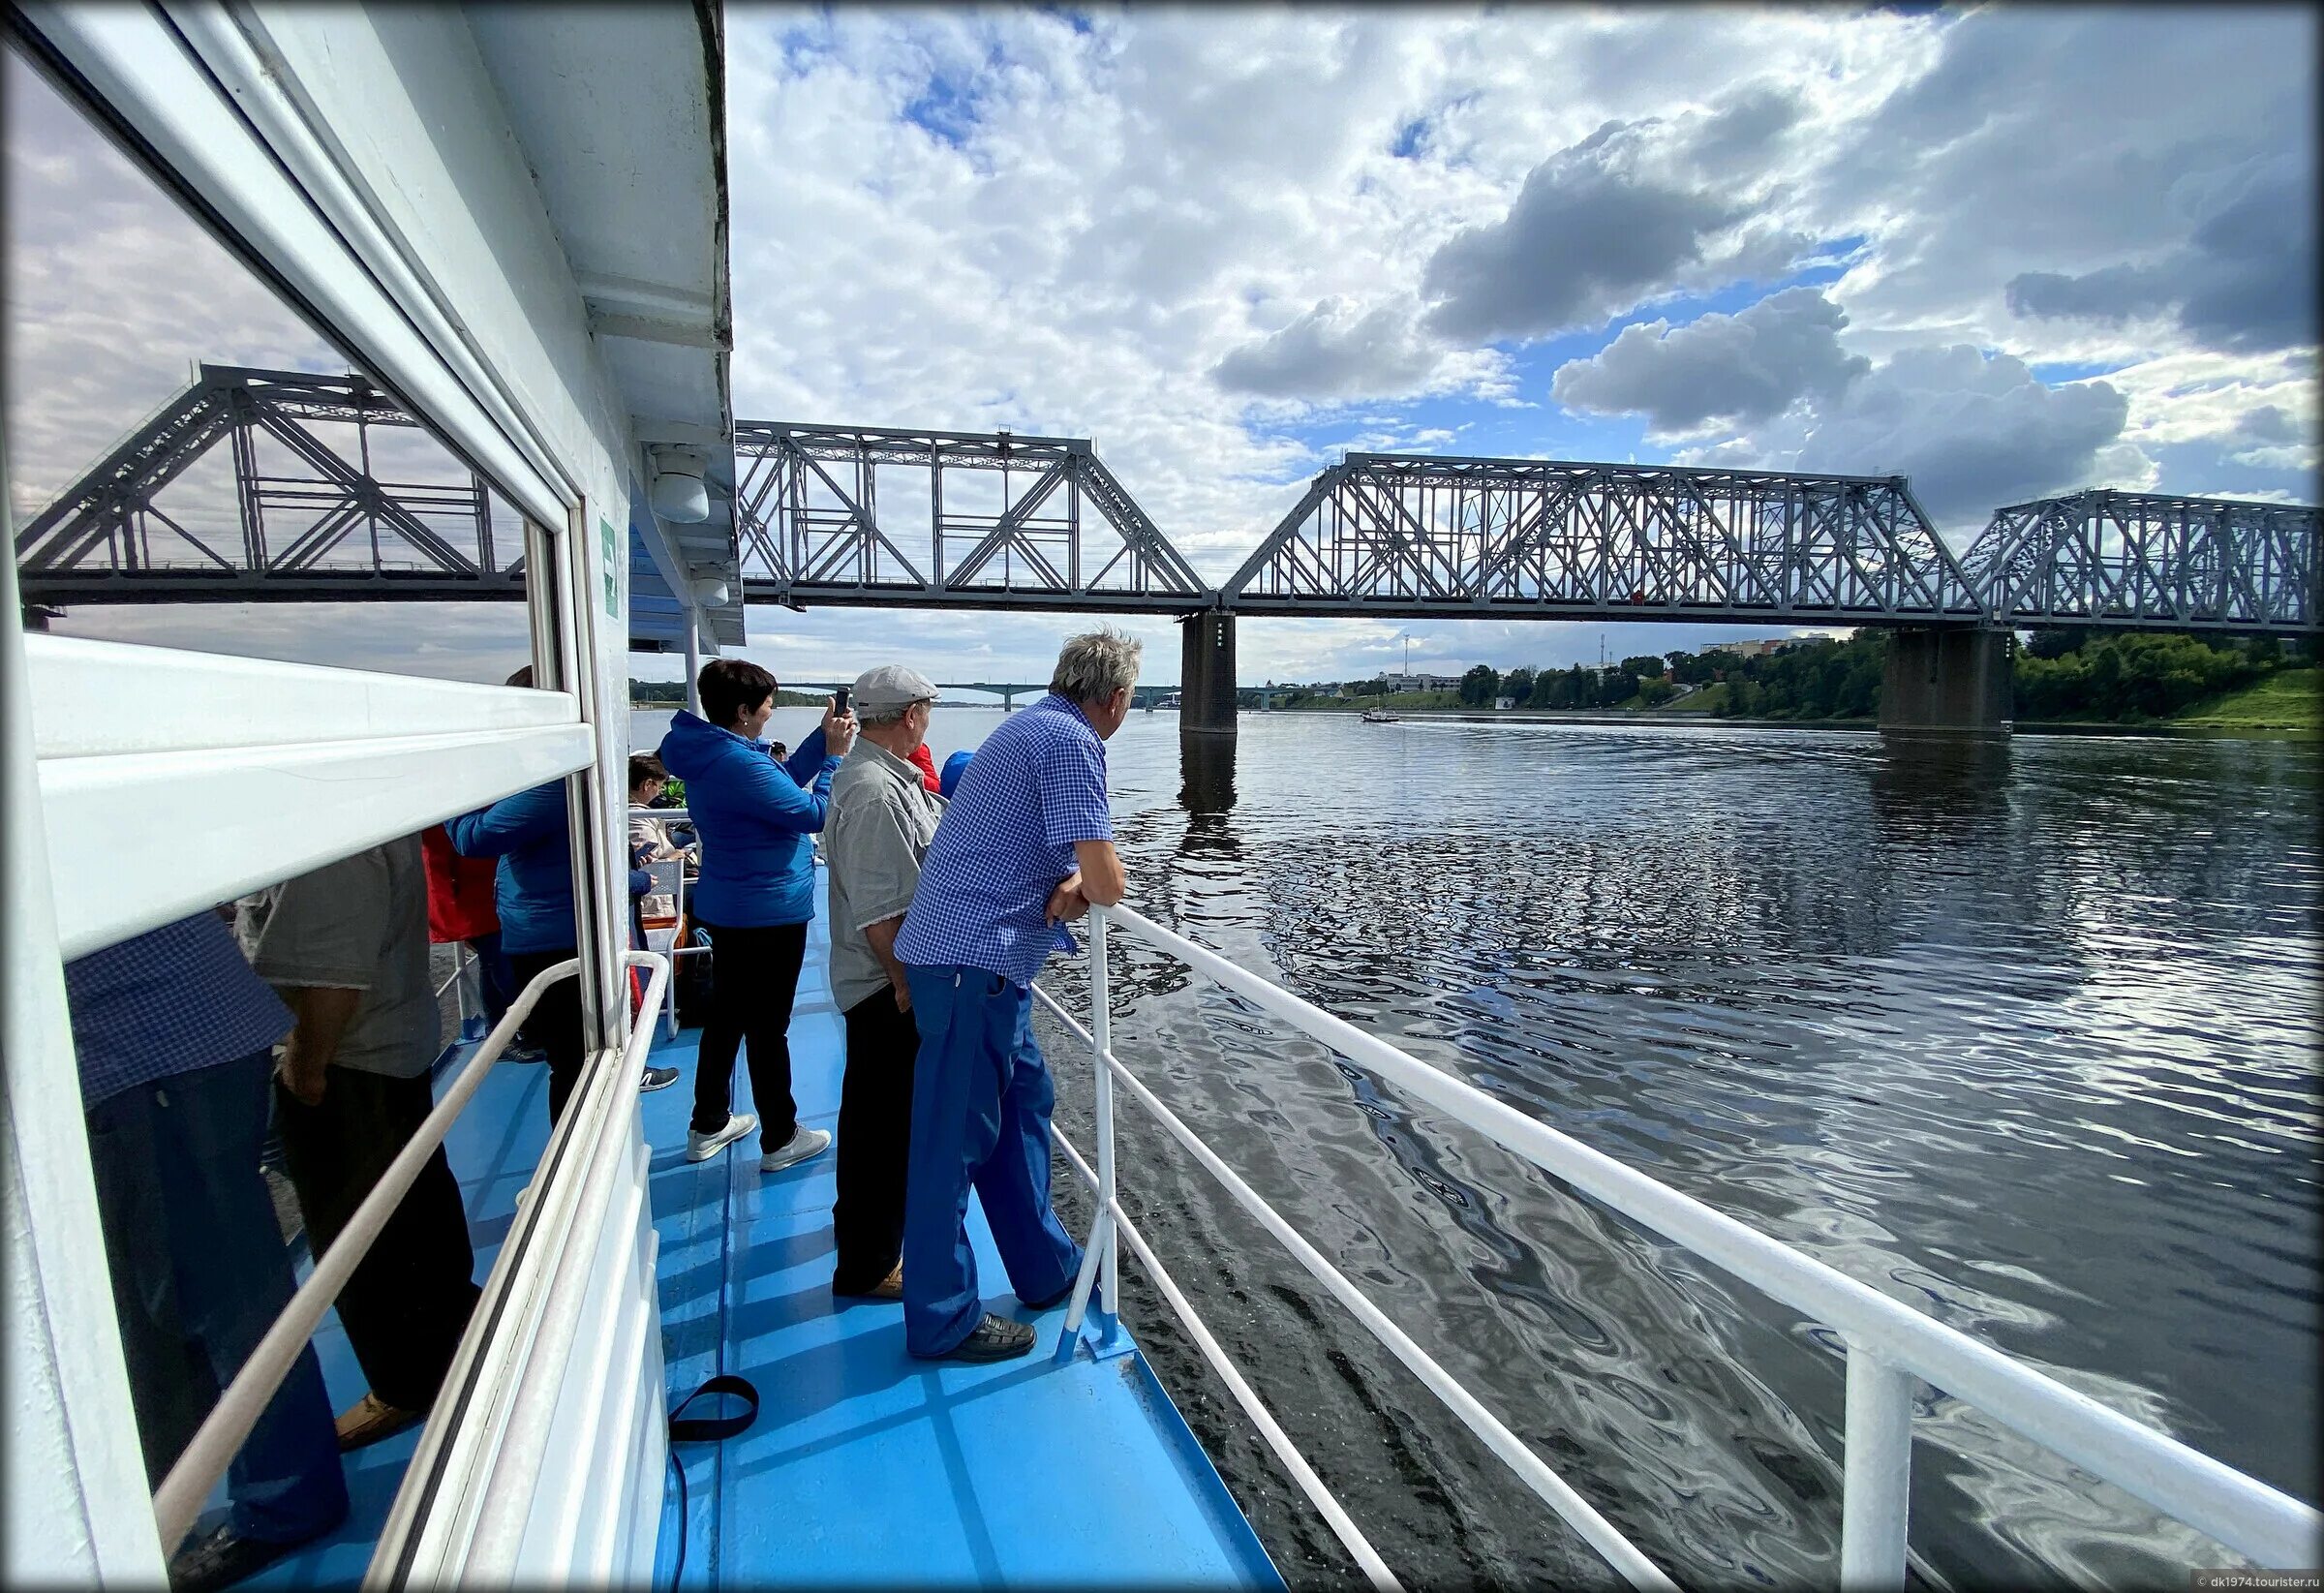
(880, 820)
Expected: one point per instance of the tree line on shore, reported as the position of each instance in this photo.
(2073, 674)
(672, 695)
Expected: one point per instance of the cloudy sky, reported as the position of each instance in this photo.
(2006, 254)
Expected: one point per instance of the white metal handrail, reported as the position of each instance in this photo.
(220, 1438)
(1334, 1513)
(1889, 1344)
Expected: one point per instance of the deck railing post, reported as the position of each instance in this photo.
(1101, 1030)
(468, 968)
(1877, 1475)
(1098, 1274)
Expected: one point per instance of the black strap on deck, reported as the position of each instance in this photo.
(706, 1429)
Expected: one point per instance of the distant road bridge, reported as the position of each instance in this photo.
(838, 515)
(1143, 696)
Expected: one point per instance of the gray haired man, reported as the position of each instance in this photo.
(1027, 845)
(876, 833)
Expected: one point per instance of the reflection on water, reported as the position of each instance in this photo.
(2022, 1033)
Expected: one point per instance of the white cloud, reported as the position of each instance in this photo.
(2058, 143)
(1747, 367)
(1332, 352)
(1971, 431)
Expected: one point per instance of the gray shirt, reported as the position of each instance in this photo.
(875, 836)
(361, 923)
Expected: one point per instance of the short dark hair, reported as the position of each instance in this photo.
(730, 687)
(522, 678)
(645, 766)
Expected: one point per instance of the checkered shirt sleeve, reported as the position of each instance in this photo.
(164, 1003)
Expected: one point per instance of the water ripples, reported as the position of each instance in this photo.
(2025, 1037)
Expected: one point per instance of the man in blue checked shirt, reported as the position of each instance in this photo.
(1026, 847)
(175, 1038)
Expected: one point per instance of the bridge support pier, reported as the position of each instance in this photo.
(1207, 674)
(1947, 682)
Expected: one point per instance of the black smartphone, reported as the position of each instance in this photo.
(838, 701)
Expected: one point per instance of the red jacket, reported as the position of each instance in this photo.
(459, 890)
(924, 761)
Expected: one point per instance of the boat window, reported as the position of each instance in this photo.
(191, 464)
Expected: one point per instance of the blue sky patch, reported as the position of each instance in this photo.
(945, 108)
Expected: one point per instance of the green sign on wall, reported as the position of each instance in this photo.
(613, 595)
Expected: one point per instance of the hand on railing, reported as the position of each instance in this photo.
(1067, 904)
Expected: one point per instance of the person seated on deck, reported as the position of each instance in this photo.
(649, 843)
(174, 1036)
(346, 946)
(882, 815)
(754, 899)
(649, 839)
(1026, 845)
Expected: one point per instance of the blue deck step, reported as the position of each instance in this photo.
(865, 1466)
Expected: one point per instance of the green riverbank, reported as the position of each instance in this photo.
(2288, 704)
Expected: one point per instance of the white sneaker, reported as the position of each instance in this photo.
(702, 1147)
(802, 1144)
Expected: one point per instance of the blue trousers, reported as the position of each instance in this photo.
(981, 1099)
(496, 980)
(200, 1272)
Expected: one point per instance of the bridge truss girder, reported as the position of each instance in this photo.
(326, 528)
(1417, 535)
(1060, 533)
(2149, 561)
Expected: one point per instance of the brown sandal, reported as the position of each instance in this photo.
(371, 1418)
(890, 1287)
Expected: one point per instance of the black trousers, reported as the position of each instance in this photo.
(875, 1142)
(555, 1024)
(753, 975)
(409, 1298)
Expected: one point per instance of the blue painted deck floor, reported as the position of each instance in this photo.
(865, 1466)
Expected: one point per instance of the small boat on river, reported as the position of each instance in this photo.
(1380, 715)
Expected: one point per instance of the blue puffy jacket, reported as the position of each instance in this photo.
(954, 766)
(533, 884)
(753, 815)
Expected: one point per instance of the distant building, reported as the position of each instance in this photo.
(1504, 703)
(1418, 682)
(1758, 647)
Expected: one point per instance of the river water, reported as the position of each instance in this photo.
(2025, 1036)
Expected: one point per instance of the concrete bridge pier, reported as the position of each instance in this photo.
(1947, 682)
(1207, 674)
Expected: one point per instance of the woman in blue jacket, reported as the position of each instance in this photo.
(533, 892)
(754, 899)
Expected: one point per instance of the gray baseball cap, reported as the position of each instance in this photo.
(891, 686)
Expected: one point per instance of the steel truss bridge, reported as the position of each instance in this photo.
(314, 519)
(987, 520)
(838, 515)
